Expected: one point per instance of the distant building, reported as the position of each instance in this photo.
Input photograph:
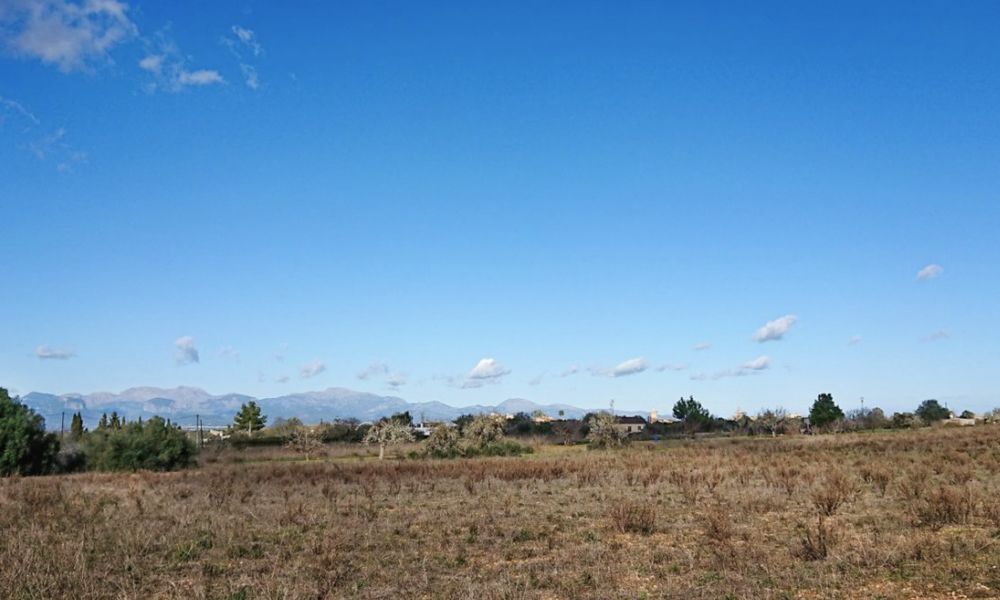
(630, 425)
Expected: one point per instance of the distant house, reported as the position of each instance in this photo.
(630, 425)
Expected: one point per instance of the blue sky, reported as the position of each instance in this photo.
(566, 202)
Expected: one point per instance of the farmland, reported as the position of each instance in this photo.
(900, 514)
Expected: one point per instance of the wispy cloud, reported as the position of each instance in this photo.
(758, 364)
(672, 367)
(631, 366)
(702, 346)
(487, 370)
(186, 352)
(312, 369)
(282, 379)
(573, 370)
(378, 370)
(931, 271)
(230, 353)
(937, 336)
(44, 144)
(855, 340)
(750, 367)
(44, 352)
(776, 329)
(72, 36)
(244, 47)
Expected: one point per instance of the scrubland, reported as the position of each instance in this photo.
(884, 515)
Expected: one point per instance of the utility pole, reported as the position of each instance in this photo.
(197, 429)
(62, 426)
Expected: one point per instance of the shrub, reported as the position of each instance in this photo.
(155, 445)
(630, 516)
(835, 489)
(500, 448)
(25, 448)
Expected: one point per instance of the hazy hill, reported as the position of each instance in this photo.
(181, 404)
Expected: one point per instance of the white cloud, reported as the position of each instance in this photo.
(487, 370)
(937, 336)
(47, 353)
(776, 329)
(69, 35)
(152, 63)
(931, 271)
(630, 367)
(168, 69)
(380, 371)
(758, 364)
(186, 353)
(854, 341)
(312, 369)
(282, 379)
(573, 370)
(672, 367)
(702, 346)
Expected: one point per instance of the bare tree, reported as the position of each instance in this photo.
(604, 432)
(304, 441)
(388, 432)
(484, 429)
(773, 420)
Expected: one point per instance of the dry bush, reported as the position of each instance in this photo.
(629, 516)
(832, 491)
(267, 525)
(815, 541)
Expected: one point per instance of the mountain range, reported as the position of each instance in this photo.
(182, 404)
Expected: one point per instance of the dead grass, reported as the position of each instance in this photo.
(893, 515)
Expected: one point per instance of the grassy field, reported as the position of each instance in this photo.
(885, 515)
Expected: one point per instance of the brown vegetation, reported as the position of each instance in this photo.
(890, 515)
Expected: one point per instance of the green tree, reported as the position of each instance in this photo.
(76, 427)
(386, 433)
(604, 432)
(931, 411)
(824, 411)
(25, 448)
(693, 414)
(249, 418)
(968, 414)
(103, 423)
(115, 423)
(403, 418)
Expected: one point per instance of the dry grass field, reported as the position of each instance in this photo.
(887, 515)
